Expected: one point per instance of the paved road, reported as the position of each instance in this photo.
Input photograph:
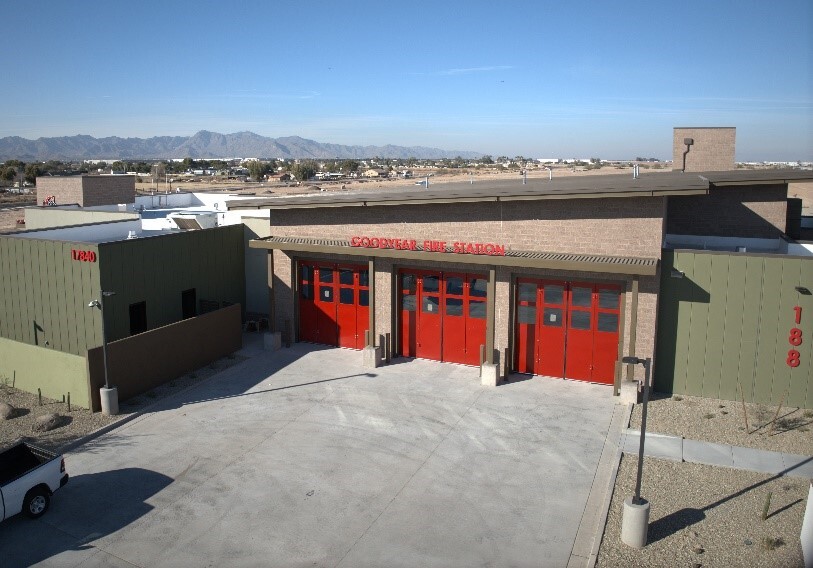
(302, 458)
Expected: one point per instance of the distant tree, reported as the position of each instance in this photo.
(257, 169)
(349, 166)
(119, 166)
(31, 172)
(8, 173)
(486, 160)
(304, 170)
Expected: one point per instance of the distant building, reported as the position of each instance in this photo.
(85, 190)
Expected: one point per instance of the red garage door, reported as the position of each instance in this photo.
(333, 304)
(567, 329)
(443, 315)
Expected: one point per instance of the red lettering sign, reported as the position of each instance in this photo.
(456, 247)
(795, 339)
(83, 255)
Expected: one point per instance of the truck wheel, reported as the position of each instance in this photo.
(36, 503)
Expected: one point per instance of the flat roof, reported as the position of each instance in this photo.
(648, 184)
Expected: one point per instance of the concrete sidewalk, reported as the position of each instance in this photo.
(679, 449)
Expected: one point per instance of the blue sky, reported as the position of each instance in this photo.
(540, 79)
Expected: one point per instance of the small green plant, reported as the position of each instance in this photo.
(677, 397)
(808, 413)
(767, 506)
(721, 406)
(771, 543)
(724, 412)
(708, 416)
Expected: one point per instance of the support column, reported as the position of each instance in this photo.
(633, 327)
(489, 373)
(371, 355)
(272, 340)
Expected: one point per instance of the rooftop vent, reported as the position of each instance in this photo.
(131, 235)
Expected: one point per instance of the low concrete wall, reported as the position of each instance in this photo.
(50, 217)
(139, 363)
(30, 368)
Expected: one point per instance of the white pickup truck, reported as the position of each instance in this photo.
(28, 477)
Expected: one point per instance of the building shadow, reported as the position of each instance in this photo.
(88, 508)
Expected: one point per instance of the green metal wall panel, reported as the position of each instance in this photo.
(726, 323)
(157, 270)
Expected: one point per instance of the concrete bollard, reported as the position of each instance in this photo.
(635, 523)
(110, 400)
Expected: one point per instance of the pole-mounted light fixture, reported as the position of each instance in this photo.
(99, 303)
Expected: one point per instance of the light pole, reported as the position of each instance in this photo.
(635, 520)
(109, 395)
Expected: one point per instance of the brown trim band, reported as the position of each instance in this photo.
(518, 259)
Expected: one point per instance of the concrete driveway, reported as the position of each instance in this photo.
(303, 458)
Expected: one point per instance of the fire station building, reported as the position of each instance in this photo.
(553, 277)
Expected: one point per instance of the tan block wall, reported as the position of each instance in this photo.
(108, 190)
(619, 227)
(712, 151)
(66, 190)
(738, 211)
(87, 191)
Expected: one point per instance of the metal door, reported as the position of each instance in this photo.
(526, 353)
(307, 307)
(476, 291)
(607, 302)
(428, 344)
(454, 318)
(346, 307)
(325, 301)
(580, 328)
(551, 332)
(409, 313)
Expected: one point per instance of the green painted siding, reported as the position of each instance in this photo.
(45, 294)
(156, 270)
(727, 322)
(29, 368)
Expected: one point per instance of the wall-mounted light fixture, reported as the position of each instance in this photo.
(675, 273)
(803, 290)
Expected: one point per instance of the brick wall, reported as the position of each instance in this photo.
(87, 191)
(758, 211)
(66, 190)
(712, 151)
(108, 190)
(613, 226)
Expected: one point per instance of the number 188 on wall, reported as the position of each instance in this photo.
(795, 339)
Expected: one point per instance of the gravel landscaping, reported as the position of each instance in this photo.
(707, 516)
(79, 422)
(723, 422)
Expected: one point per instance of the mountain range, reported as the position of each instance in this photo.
(203, 145)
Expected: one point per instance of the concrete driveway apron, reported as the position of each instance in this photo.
(301, 457)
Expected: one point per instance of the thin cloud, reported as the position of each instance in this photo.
(469, 70)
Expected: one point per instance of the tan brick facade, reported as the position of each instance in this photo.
(758, 211)
(712, 151)
(86, 191)
(609, 226)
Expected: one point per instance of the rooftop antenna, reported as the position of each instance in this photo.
(688, 142)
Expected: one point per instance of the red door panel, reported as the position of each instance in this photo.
(362, 306)
(346, 307)
(580, 326)
(551, 329)
(454, 318)
(526, 326)
(409, 313)
(326, 329)
(476, 287)
(307, 308)
(428, 344)
(605, 341)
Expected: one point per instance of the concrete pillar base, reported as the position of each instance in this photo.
(489, 375)
(272, 341)
(371, 357)
(110, 400)
(630, 392)
(635, 523)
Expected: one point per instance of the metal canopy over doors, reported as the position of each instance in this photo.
(443, 315)
(567, 329)
(333, 303)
